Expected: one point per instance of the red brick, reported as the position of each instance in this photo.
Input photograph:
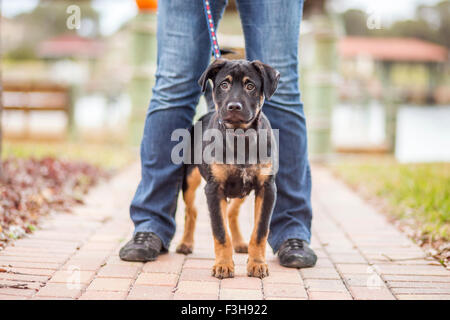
(241, 283)
(347, 258)
(59, 290)
(444, 291)
(413, 270)
(83, 265)
(103, 295)
(274, 266)
(283, 277)
(194, 296)
(404, 284)
(23, 277)
(354, 268)
(162, 266)
(24, 284)
(319, 273)
(117, 271)
(206, 287)
(367, 293)
(66, 276)
(285, 290)
(17, 292)
(33, 259)
(50, 298)
(323, 295)
(199, 263)
(197, 275)
(8, 297)
(423, 297)
(416, 278)
(325, 285)
(157, 279)
(283, 298)
(110, 284)
(240, 294)
(33, 265)
(362, 280)
(31, 271)
(115, 260)
(151, 293)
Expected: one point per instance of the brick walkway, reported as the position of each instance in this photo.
(75, 256)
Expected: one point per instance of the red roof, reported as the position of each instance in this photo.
(393, 49)
(70, 46)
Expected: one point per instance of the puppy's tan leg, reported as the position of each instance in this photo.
(193, 181)
(224, 265)
(217, 205)
(239, 244)
(264, 202)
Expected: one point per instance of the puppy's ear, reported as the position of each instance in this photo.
(269, 76)
(211, 72)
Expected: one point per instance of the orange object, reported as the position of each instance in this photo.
(150, 5)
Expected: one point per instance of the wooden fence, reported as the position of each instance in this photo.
(30, 98)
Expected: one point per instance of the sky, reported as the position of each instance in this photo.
(115, 12)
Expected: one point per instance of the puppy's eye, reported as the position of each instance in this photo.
(249, 86)
(224, 85)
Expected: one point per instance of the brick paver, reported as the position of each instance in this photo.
(75, 256)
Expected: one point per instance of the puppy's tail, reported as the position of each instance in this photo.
(209, 98)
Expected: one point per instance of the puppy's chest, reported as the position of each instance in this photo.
(236, 181)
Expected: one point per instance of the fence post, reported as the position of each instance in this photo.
(319, 83)
(143, 55)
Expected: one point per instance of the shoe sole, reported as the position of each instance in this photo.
(137, 257)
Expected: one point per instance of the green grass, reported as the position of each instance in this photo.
(418, 193)
(106, 156)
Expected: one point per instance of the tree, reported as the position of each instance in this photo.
(355, 22)
(431, 23)
(51, 17)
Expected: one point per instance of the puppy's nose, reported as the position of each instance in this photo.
(234, 106)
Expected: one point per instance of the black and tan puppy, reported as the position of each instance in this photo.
(238, 93)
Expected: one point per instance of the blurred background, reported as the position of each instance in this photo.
(374, 77)
(375, 80)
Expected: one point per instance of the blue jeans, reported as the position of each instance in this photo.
(271, 30)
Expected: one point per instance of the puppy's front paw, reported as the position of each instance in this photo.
(223, 270)
(184, 248)
(257, 269)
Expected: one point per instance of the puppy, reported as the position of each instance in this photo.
(238, 93)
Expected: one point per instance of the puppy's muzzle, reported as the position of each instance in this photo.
(234, 106)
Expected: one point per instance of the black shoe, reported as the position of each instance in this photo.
(145, 246)
(295, 253)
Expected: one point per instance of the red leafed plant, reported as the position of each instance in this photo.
(31, 188)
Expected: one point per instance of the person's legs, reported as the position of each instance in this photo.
(184, 52)
(271, 30)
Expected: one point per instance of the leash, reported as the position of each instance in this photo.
(211, 29)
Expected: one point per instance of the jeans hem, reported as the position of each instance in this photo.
(152, 226)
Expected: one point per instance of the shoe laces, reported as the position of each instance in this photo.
(294, 244)
(142, 237)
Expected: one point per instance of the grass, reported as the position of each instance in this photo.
(416, 193)
(106, 156)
